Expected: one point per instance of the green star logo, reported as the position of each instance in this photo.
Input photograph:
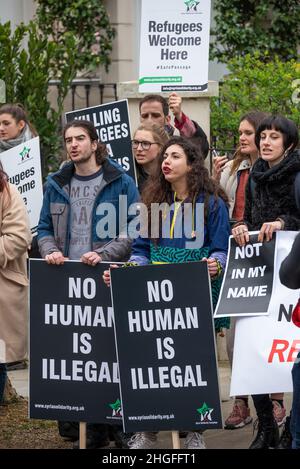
(25, 153)
(205, 412)
(191, 4)
(116, 408)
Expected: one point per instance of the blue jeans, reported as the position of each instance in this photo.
(295, 419)
(2, 380)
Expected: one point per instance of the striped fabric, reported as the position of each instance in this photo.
(170, 255)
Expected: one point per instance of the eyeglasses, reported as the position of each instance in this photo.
(144, 144)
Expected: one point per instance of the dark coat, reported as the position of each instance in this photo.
(273, 194)
(289, 272)
(142, 176)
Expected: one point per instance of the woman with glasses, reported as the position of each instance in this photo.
(148, 139)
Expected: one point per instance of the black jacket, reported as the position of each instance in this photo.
(289, 272)
(142, 176)
(274, 193)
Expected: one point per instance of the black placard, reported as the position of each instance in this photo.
(248, 280)
(166, 348)
(73, 366)
(111, 121)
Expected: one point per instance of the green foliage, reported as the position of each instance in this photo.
(26, 73)
(65, 38)
(261, 25)
(87, 21)
(254, 84)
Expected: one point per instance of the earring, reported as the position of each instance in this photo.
(286, 153)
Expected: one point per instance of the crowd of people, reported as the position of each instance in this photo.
(256, 190)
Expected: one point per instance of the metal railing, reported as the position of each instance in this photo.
(87, 84)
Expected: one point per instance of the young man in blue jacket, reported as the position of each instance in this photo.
(85, 216)
(73, 217)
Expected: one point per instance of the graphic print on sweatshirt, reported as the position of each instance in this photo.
(83, 191)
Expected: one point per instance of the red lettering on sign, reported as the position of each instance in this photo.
(294, 351)
(278, 347)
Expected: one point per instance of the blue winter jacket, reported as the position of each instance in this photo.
(216, 231)
(106, 226)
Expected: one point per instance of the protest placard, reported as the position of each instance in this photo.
(265, 347)
(22, 164)
(248, 280)
(166, 347)
(73, 367)
(111, 121)
(174, 45)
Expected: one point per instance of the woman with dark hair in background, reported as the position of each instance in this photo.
(233, 176)
(271, 205)
(15, 127)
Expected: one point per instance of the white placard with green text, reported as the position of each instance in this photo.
(23, 167)
(174, 45)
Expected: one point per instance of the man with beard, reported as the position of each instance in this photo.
(71, 222)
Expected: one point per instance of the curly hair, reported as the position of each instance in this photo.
(158, 190)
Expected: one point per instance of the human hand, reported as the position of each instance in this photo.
(211, 265)
(106, 274)
(55, 258)
(268, 229)
(241, 234)
(218, 166)
(91, 258)
(175, 102)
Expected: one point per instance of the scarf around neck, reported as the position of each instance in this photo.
(25, 135)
